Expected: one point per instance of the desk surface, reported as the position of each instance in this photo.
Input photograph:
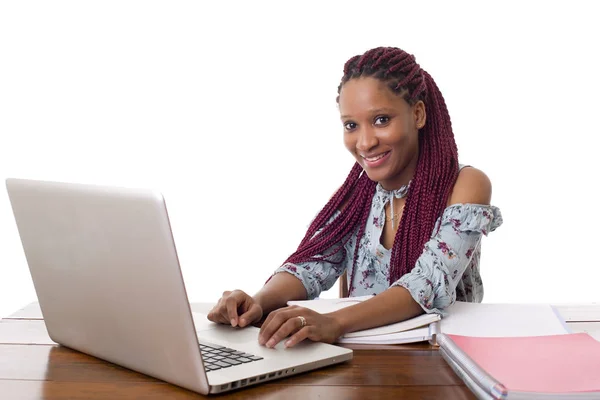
(33, 368)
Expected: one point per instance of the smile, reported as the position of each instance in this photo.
(376, 160)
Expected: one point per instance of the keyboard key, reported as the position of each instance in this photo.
(222, 364)
(212, 346)
(231, 361)
(244, 359)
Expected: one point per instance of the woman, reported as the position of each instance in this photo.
(406, 224)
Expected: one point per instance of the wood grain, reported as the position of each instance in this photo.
(369, 367)
(48, 390)
(31, 368)
(57, 372)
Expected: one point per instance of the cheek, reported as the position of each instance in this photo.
(403, 137)
(349, 142)
(410, 146)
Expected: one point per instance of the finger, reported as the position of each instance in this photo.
(268, 322)
(224, 315)
(215, 314)
(219, 319)
(271, 324)
(212, 316)
(264, 326)
(286, 329)
(232, 304)
(220, 312)
(299, 336)
(254, 313)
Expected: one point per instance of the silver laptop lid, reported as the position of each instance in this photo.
(107, 277)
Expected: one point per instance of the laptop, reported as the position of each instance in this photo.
(107, 277)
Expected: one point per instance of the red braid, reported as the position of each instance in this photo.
(435, 174)
(358, 190)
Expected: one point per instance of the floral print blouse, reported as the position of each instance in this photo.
(446, 271)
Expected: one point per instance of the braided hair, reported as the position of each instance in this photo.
(435, 173)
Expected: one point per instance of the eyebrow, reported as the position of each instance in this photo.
(373, 111)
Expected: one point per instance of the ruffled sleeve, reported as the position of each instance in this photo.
(318, 276)
(457, 234)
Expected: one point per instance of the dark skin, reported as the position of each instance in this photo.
(381, 131)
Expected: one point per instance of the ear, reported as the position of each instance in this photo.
(419, 114)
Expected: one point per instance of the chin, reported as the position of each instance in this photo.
(375, 175)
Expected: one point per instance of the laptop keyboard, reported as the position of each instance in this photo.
(217, 357)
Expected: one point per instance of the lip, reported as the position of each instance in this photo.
(378, 161)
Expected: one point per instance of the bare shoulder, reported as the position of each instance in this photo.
(472, 186)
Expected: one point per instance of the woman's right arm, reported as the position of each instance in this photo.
(280, 289)
(289, 282)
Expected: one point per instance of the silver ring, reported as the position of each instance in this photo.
(302, 321)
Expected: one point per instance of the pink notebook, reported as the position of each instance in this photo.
(556, 364)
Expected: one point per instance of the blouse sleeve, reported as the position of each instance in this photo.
(318, 276)
(433, 280)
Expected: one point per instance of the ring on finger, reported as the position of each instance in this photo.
(302, 321)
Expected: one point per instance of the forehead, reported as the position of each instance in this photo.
(366, 93)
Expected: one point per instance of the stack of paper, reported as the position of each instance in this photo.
(418, 329)
(471, 319)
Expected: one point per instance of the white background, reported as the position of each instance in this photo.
(230, 110)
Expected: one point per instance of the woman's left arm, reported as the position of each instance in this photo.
(438, 270)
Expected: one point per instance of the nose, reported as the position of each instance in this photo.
(367, 139)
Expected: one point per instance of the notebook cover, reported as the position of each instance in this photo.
(545, 364)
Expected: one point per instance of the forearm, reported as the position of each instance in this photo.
(280, 289)
(393, 305)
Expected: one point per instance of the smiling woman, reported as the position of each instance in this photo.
(406, 224)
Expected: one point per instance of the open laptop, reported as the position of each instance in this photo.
(108, 281)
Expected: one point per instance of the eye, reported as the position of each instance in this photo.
(382, 120)
(350, 126)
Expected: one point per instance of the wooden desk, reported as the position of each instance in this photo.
(33, 368)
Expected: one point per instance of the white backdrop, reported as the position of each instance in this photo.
(230, 110)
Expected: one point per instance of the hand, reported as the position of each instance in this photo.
(236, 308)
(285, 322)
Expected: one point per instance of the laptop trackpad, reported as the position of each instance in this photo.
(208, 330)
(201, 322)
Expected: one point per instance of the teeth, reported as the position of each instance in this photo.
(372, 159)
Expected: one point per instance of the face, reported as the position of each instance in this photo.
(381, 130)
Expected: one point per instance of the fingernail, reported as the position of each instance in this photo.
(233, 323)
(271, 343)
(288, 343)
